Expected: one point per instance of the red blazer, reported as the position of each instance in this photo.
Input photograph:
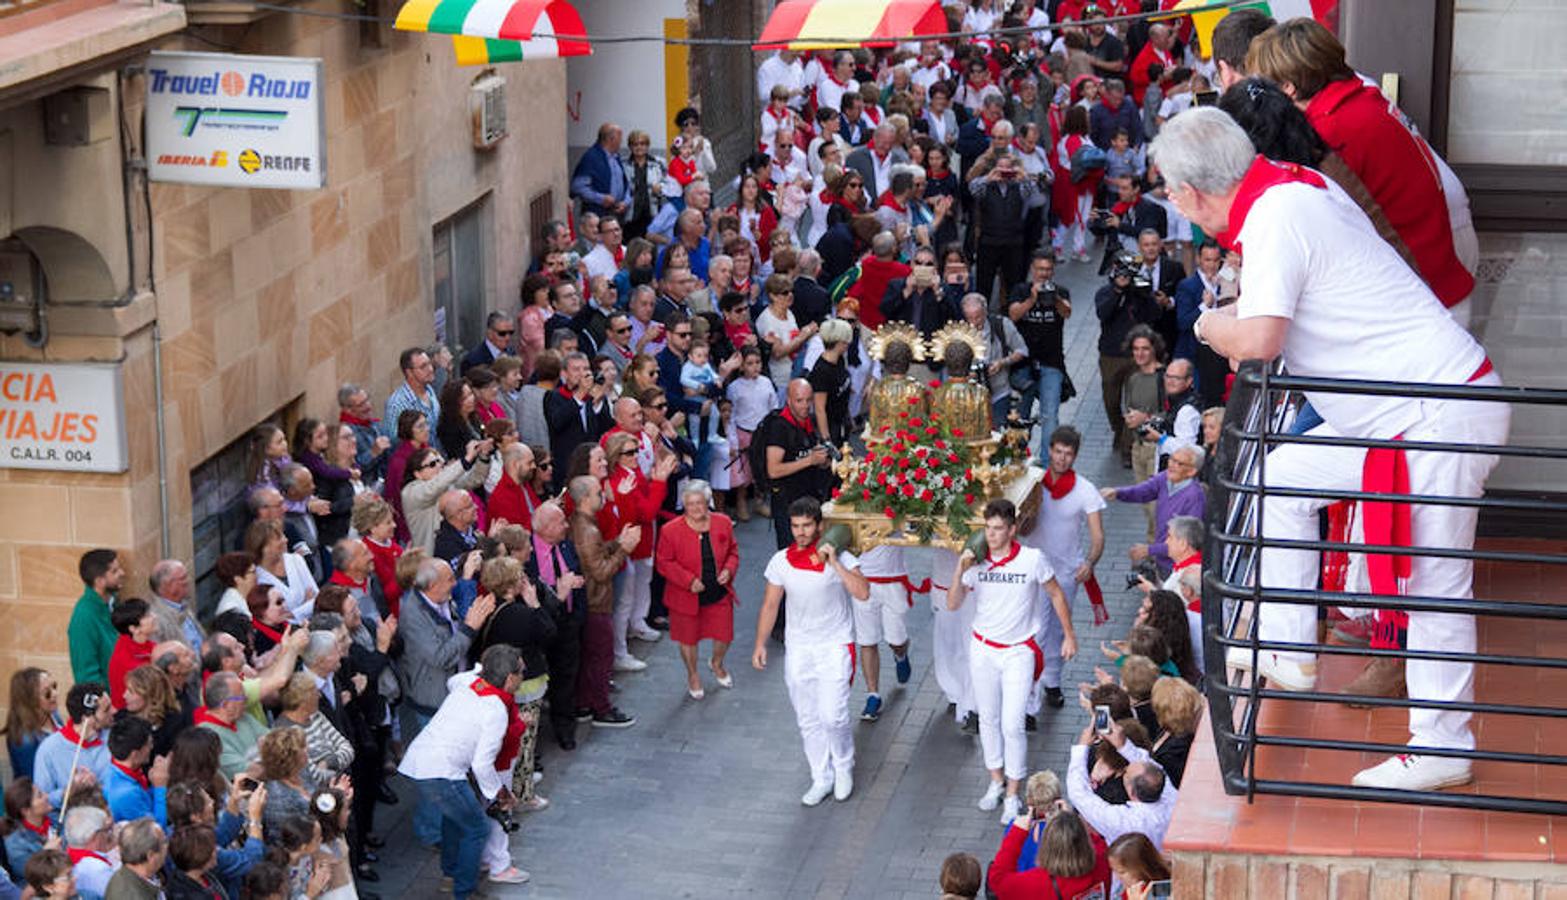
(639, 506)
(512, 501)
(680, 560)
(129, 654)
(1010, 884)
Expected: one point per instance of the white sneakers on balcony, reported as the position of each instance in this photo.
(1282, 672)
(1411, 772)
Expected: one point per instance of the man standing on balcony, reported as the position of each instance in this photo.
(1312, 257)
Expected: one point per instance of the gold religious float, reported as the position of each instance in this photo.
(932, 460)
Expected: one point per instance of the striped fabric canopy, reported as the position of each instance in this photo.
(1204, 19)
(500, 30)
(822, 24)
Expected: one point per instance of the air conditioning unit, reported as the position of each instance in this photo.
(487, 105)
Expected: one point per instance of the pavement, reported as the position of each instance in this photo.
(701, 799)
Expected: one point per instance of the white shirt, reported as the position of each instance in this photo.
(600, 261)
(781, 330)
(753, 399)
(979, 19)
(819, 610)
(1058, 526)
(1006, 596)
(299, 594)
(774, 71)
(788, 170)
(925, 76)
(463, 736)
(885, 561)
(93, 874)
(830, 93)
(1112, 820)
(1355, 309)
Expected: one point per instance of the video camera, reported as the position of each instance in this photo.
(1126, 264)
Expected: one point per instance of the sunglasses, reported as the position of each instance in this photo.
(432, 464)
(548, 463)
(680, 333)
(628, 453)
(622, 330)
(507, 333)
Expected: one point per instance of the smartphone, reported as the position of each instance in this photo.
(244, 784)
(1102, 719)
(1205, 98)
(1160, 890)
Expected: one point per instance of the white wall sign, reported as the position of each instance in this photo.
(65, 416)
(235, 120)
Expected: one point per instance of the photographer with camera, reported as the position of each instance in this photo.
(1005, 352)
(797, 456)
(1039, 308)
(1001, 199)
(1122, 305)
(1128, 217)
(925, 299)
(1141, 402)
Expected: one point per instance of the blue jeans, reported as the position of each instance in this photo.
(427, 819)
(1047, 390)
(464, 829)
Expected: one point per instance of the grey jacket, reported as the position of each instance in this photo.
(861, 162)
(432, 653)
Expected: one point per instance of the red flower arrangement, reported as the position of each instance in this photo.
(928, 478)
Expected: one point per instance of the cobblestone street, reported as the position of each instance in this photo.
(701, 799)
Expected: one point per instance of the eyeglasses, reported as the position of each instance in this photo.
(659, 406)
(628, 453)
(621, 330)
(241, 698)
(507, 333)
(548, 463)
(686, 333)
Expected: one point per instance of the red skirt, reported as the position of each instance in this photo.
(710, 623)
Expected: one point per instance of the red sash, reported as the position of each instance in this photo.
(909, 587)
(1031, 644)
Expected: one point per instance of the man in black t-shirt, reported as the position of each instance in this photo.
(830, 387)
(797, 462)
(1039, 308)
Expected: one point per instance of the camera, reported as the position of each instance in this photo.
(503, 818)
(833, 453)
(1140, 570)
(1156, 426)
(599, 378)
(1126, 264)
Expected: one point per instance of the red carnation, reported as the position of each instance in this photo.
(908, 490)
(935, 383)
(952, 458)
(903, 463)
(916, 422)
(913, 401)
(881, 477)
(889, 513)
(835, 493)
(968, 498)
(941, 444)
(890, 490)
(946, 481)
(865, 494)
(920, 473)
(863, 476)
(957, 432)
(969, 474)
(926, 495)
(932, 431)
(903, 415)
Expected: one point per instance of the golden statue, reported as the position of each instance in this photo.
(896, 345)
(962, 402)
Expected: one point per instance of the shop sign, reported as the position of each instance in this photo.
(64, 416)
(235, 120)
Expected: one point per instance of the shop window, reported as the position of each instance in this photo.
(218, 512)
(461, 297)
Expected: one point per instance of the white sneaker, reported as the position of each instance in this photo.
(629, 664)
(1284, 674)
(1409, 772)
(818, 792)
(842, 784)
(512, 875)
(647, 635)
(992, 798)
(1010, 809)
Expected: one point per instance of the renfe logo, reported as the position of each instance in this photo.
(231, 84)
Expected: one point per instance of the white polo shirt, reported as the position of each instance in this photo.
(1356, 310)
(818, 602)
(1005, 593)
(1058, 526)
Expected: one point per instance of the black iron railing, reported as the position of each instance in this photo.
(1255, 422)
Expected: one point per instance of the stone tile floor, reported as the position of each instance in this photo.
(701, 799)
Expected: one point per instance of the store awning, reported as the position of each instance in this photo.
(533, 29)
(1204, 18)
(825, 24)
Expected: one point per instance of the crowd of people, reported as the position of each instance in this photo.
(422, 591)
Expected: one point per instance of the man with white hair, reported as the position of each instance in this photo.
(892, 206)
(789, 163)
(1156, 50)
(1312, 259)
(875, 162)
(1006, 349)
(1173, 492)
(89, 839)
(322, 657)
(1188, 583)
(171, 593)
(457, 535)
(353, 568)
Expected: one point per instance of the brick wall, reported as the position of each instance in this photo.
(1222, 876)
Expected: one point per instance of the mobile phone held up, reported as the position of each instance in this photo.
(1205, 98)
(1160, 890)
(1102, 719)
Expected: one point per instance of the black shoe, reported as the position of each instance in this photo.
(658, 623)
(374, 841)
(584, 714)
(363, 872)
(1053, 698)
(614, 718)
(369, 855)
(566, 742)
(970, 724)
(1029, 724)
(387, 795)
(952, 707)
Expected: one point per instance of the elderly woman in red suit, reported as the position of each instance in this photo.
(698, 557)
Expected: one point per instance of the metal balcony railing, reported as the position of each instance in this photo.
(1255, 422)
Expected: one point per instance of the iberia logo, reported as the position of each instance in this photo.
(249, 161)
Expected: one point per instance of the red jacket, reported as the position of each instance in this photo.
(1397, 167)
(1139, 74)
(634, 505)
(128, 654)
(680, 560)
(513, 502)
(1010, 884)
(872, 284)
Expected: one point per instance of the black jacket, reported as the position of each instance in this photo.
(567, 429)
(1118, 312)
(450, 544)
(529, 629)
(478, 356)
(811, 303)
(927, 310)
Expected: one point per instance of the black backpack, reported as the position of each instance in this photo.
(756, 454)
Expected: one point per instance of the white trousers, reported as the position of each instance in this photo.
(1050, 636)
(1450, 474)
(1003, 680)
(818, 676)
(951, 635)
(633, 599)
(882, 617)
(496, 855)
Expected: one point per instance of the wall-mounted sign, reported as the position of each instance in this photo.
(66, 416)
(235, 120)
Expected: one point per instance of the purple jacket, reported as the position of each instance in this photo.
(1189, 501)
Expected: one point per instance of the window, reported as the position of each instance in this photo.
(1506, 81)
(218, 512)
(461, 298)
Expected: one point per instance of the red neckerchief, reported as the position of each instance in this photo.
(139, 777)
(351, 419)
(844, 202)
(40, 830)
(834, 79)
(804, 558)
(566, 392)
(1263, 174)
(1194, 560)
(776, 116)
(808, 426)
(204, 716)
(1060, 487)
(77, 854)
(269, 631)
(515, 727)
(619, 253)
(68, 731)
(341, 577)
(1121, 207)
(989, 123)
(886, 199)
(1012, 553)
